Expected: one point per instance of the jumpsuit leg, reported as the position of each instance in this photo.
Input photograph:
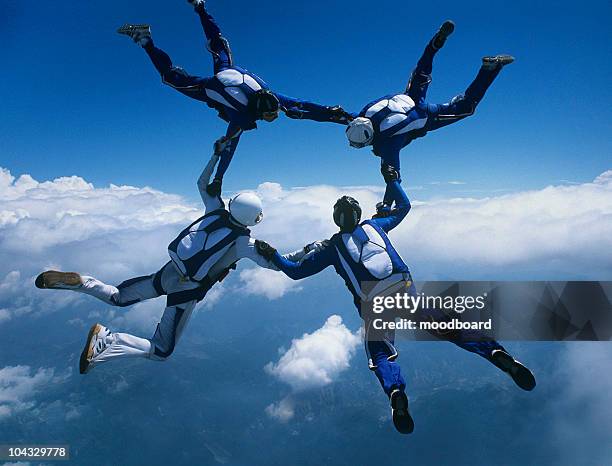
(173, 321)
(174, 76)
(217, 44)
(462, 105)
(470, 340)
(382, 354)
(421, 75)
(128, 292)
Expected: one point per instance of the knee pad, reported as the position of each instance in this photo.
(464, 106)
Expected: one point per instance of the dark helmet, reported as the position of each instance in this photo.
(347, 213)
(263, 101)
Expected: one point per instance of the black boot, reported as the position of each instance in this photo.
(400, 413)
(519, 373)
(445, 30)
(498, 61)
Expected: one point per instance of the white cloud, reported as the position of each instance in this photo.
(317, 358)
(282, 411)
(118, 232)
(266, 282)
(312, 361)
(556, 232)
(587, 390)
(19, 386)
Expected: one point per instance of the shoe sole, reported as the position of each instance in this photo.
(447, 28)
(402, 420)
(129, 29)
(87, 353)
(501, 60)
(53, 278)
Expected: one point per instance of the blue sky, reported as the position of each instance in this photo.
(79, 99)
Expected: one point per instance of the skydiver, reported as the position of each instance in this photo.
(363, 255)
(240, 97)
(392, 122)
(201, 255)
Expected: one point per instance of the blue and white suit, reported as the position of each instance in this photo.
(369, 265)
(398, 119)
(229, 90)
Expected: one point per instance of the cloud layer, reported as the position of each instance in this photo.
(19, 386)
(116, 232)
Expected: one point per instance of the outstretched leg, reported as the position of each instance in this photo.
(464, 105)
(217, 45)
(421, 75)
(478, 343)
(127, 293)
(103, 345)
(171, 75)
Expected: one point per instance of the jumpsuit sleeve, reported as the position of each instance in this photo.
(302, 109)
(306, 251)
(388, 149)
(211, 203)
(233, 133)
(245, 248)
(310, 265)
(402, 207)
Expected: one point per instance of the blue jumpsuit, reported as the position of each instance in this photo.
(399, 119)
(379, 346)
(229, 90)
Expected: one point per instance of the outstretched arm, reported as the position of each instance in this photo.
(210, 202)
(402, 206)
(310, 264)
(302, 109)
(306, 251)
(226, 146)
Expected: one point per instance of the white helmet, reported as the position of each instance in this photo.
(246, 209)
(360, 132)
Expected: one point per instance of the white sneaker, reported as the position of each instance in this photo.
(58, 280)
(139, 33)
(97, 342)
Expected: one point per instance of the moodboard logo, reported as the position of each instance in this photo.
(475, 311)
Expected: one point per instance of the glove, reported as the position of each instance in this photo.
(221, 144)
(196, 3)
(389, 173)
(264, 249)
(315, 246)
(214, 188)
(294, 113)
(338, 114)
(382, 210)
